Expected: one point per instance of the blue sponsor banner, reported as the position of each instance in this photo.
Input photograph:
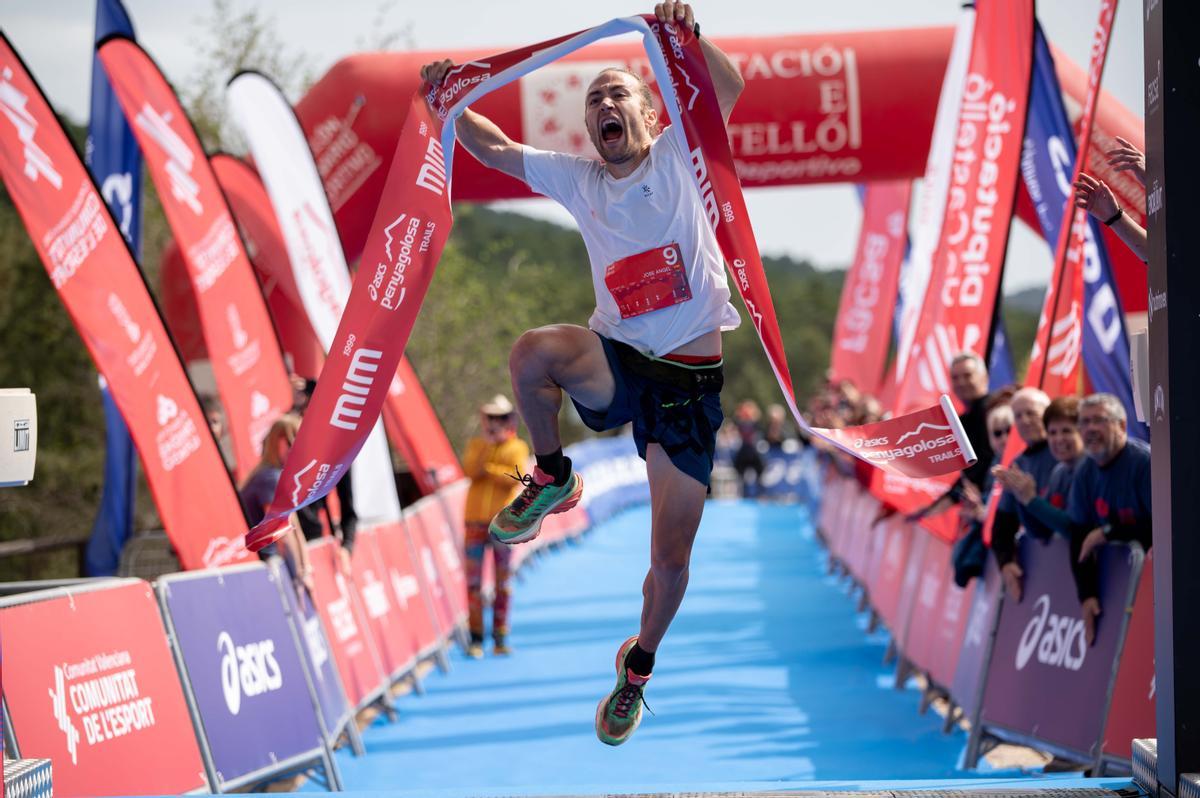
(115, 161)
(1047, 161)
(335, 708)
(244, 671)
(614, 477)
(788, 474)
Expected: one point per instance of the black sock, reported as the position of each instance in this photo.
(556, 465)
(640, 661)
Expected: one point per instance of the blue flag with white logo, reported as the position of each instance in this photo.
(116, 164)
(1047, 162)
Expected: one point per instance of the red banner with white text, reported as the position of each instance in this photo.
(969, 260)
(411, 227)
(864, 320)
(1058, 344)
(241, 342)
(413, 426)
(100, 695)
(99, 283)
(264, 243)
(1054, 362)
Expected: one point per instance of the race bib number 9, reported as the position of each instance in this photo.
(651, 280)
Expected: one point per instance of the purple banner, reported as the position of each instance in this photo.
(327, 684)
(976, 643)
(1044, 681)
(245, 673)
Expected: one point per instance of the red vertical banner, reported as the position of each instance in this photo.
(969, 260)
(100, 284)
(264, 244)
(1054, 363)
(414, 427)
(864, 320)
(241, 342)
(1058, 345)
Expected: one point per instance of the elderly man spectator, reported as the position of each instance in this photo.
(1048, 503)
(1035, 461)
(1109, 498)
(969, 381)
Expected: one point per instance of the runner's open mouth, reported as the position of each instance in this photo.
(611, 130)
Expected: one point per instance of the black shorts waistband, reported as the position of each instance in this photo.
(697, 380)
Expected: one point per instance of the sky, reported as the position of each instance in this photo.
(816, 223)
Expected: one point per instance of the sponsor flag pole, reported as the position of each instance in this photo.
(1054, 362)
(1050, 148)
(95, 274)
(412, 225)
(116, 164)
(241, 341)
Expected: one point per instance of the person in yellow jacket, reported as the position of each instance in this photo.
(493, 462)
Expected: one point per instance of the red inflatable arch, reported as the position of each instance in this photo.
(818, 108)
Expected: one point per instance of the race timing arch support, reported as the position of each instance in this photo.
(818, 108)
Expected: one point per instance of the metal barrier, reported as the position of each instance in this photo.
(253, 703)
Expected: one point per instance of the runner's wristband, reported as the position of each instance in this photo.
(1109, 222)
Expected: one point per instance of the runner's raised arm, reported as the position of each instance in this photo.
(479, 135)
(727, 81)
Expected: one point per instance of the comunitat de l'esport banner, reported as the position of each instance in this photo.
(969, 260)
(412, 225)
(96, 277)
(247, 362)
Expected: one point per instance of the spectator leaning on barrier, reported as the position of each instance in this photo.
(493, 460)
(969, 381)
(1048, 503)
(1036, 461)
(1097, 198)
(256, 492)
(969, 554)
(1109, 498)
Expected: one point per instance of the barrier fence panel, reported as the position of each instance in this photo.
(1041, 658)
(99, 694)
(1132, 714)
(353, 647)
(970, 673)
(888, 581)
(256, 712)
(905, 614)
(429, 574)
(385, 620)
(950, 626)
(448, 550)
(336, 712)
(417, 621)
(935, 574)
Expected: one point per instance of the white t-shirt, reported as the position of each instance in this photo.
(654, 206)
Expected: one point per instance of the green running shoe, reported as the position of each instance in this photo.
(620, 712)
(522, 519)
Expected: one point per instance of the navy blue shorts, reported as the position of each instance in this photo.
(676, 406)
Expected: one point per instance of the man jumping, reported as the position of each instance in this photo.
(652, 355)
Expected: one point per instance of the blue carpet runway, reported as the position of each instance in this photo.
(765, 680)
